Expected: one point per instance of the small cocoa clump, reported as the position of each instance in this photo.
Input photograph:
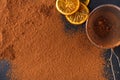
(102, 26)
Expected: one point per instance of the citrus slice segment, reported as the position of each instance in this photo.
(67, 7)
(80, 16)
(86, 2)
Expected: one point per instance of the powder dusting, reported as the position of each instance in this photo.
(39, 48)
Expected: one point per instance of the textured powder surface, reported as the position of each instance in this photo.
(35, 41)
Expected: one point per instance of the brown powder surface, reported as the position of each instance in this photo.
(35, 41)
(102, 26)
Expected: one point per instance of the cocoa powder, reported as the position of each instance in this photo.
(102, 26)
(42, 49)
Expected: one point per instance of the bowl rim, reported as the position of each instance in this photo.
(98, 7)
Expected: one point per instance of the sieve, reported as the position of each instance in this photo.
(103, 29)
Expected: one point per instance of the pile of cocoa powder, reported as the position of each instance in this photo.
(34, 40)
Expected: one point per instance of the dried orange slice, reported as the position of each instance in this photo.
(67, 7)
(86, 2)
(80, 16)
